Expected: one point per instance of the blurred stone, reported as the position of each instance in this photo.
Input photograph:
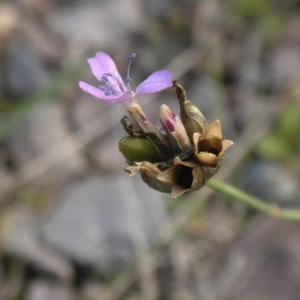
(249, 73)
(23, 71)
(207, 94)
(7, 179)
(6, 182)
(50, 45)
(43, 143)
(84, 110)
(285, 64)
(106, 156)
(105, 223)
(93, 289)
(262, 265)
(220, 224)
(1, 83)
(35, 8)
(46, 290)
(292, 31)
(9, 23)
(104, 153)
(159, 9)
(245, 104)
(232, 56)
(272, 182)
(208, 36)
(103, 150)
(19, 236)
(103, 24)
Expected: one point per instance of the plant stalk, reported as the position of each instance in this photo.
(255, 203)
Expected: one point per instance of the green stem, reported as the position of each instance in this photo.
(235, 194)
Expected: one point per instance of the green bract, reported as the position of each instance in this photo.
(138, 149)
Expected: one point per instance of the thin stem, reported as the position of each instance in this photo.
(235, 194)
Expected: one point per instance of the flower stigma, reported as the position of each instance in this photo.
(131, 58)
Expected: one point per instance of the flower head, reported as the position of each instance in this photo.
(177, 157)
(111, 88)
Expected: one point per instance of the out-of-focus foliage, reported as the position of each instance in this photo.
(284, 142)
(258, 14)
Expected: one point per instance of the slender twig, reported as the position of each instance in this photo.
(234, 194)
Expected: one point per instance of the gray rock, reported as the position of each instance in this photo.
(272, 182)
(42, 141)
(9, 23)
(106, 223)
(159, 9)
(285, 64)
(102, 24)
(85, 110)
(207, 94)
(45, 290)
(262, 265)
(19, 236)
(93, 289)
(105, 155)
(1, 81)
(24, 73)
(6, 181)
(103, 147)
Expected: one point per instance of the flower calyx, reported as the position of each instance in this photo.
(191, 116)
(210, 147)
(183, 176)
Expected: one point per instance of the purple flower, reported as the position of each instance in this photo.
(111, 87)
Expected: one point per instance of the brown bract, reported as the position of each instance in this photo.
(150, 174)
(210, 147)
(183, 176)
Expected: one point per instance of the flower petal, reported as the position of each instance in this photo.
(96, 92)
(102, 64)
(156, 82)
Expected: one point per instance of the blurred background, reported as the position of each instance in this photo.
(73, 225)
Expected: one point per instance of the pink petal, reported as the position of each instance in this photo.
(96, 92)
(102, 64)
(156, 82)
